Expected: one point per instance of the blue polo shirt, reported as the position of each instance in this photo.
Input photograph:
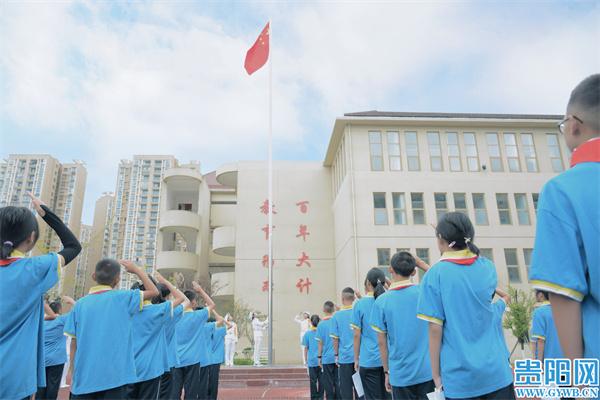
(323, 331)
(189, 337)
(457, 294)
(170, 336)
(395, 314)
(566, 255)
(499, 308)
(101, 324)
(341, 329)
(369, 356)
(23, 281)
(149, 342)
(218, 346)
(310, 341)
(543, 328)
(206, 344)
(55, 341)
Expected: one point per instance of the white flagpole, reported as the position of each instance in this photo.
(270, 253)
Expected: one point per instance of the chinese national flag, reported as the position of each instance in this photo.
(258, 54)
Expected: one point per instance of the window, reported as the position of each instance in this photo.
(418, 208)
(527, 254)
(393, 140)
(529, 151)
(512, 153)
(399, 208)
(376, 151)
(503, 210)
(412, 151)
(460, 203)
(512, 265)
(487, 253)
(383, 261)
(423, 254)
(453, 151)
(522, 209)
(441, 205)
(380, 209)
(435, 151)
(554, 149)
(494, 152)
(479, 207)
(535, 197)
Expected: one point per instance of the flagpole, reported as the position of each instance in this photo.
(270, 255)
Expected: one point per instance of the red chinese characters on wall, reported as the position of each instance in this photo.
(302, 205)
(265, 287)
(302, 260)
(303, 232)
(265, 208)
(302, 284)
(265, 261)
(266, 230)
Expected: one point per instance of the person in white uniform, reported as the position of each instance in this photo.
(302, 319)
(258, 328)
(231, 338)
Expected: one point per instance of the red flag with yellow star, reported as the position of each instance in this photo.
(258, 54)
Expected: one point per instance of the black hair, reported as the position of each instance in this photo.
(403, 263)
(457, 227)
(163, 293)
(377, 279)
(211, 319)
(190, 294)
(16, 225)
(544, 293)
(56, 306)
(314, 320)
(328, 306)
(199, 308)
(348, 294)
(586, 96)
(138, 285)
(107, 270)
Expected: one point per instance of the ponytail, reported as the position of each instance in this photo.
(16, 226)
(377, 279)
(457, 230)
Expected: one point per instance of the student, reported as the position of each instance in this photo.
(456, 300)
(326, 356)
(99, 325)
(217, 355)
(23, 281)
(402, 337)
(231, 338)
(311, 348)
(543, 331)
(149, 342)
(303, 319)
(499, 307)
(190, 345)
(166, 379)
(258, 328)
(367, 360)
(566, 260)
(343, 344)
(55, 350)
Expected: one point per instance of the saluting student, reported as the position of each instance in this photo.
(311, 348)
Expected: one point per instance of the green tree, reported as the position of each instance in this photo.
(240, 311)
(518, 316)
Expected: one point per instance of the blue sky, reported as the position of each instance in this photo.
(102, 81)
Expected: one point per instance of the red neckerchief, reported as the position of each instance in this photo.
(587, 152)
(101, 291)
(402, 286)
(462, 257)
(8, 261)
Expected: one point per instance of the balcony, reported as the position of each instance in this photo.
(181, 174)
(227, 174)
(180, 221)
(224, 241)
(177, 261)
(226, 283)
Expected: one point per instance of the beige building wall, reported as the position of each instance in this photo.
(100, 235)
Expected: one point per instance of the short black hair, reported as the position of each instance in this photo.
(16, 225)
(56, 306)
(403, 263)
(314, 320)
(211, 319)
(544, 293)
(190, 294)
(586, 97)
(328, 306)
(163, 293)
(457, 229)
(107, 270)
(348, 294)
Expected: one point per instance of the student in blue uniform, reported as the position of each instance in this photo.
(311, 350)
(327, 355)
(343, 344)
(543, 331)
(100, 321)
(149, 342)
(23, 281)
(566, 259)
(367, 360)
(456, 300)
(55, 348)
(191, 345)
(217, 355)
(499, 307)
(403, 338)
(208, 332)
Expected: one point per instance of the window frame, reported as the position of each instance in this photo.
(413, 209)
(389, 147)
(526, 209)
(435, 202)
(451, 157)
(487, 217)
(532, 145)
(557, 145)
(380, 143)
(499, 157)
(517, 266)
(408, 156)
(399, 209)
(376, 208)
(431, 157)
(507, 209)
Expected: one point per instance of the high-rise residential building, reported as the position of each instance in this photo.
(60, 186)
(101, 233)
(83, 272)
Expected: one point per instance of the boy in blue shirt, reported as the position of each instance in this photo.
(566, 255)
(543, 331)
(343, 344)
(402, 337)
(311, 351)
(55, 348)
(100, 321)
(327, 355)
